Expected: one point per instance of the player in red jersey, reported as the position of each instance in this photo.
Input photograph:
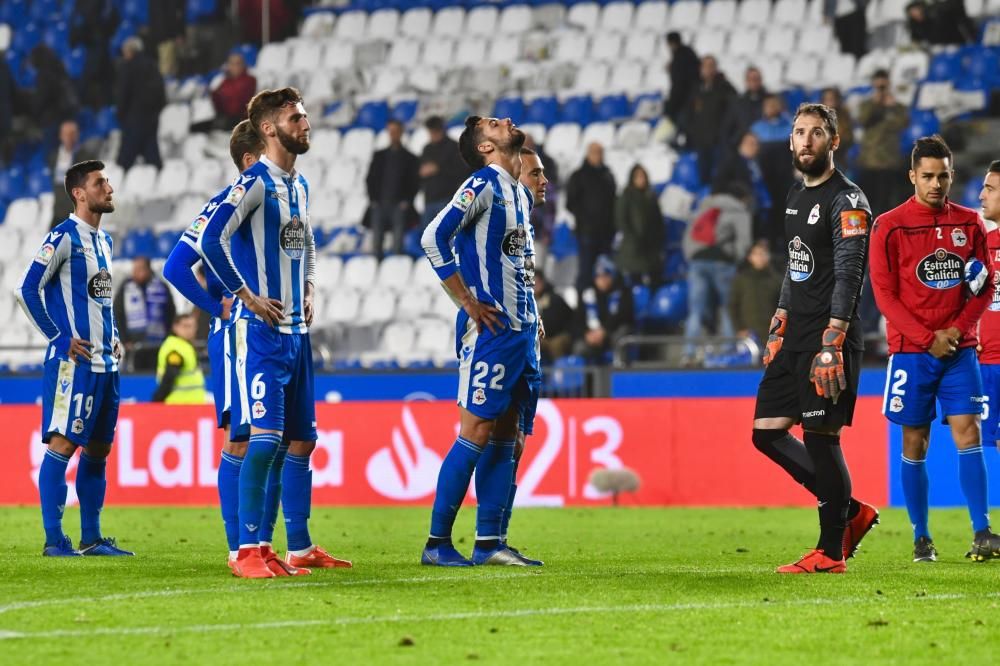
(989, 325)
(920, 254)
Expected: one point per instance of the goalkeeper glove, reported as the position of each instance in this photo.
(827, 371)
(776, 336)
(975, 275)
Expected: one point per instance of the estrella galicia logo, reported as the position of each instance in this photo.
(995, 303)
(293, 238)
(99, 287)
(800, 260)
(941, 270)
(514, 242)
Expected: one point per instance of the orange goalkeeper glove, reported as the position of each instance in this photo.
(776, 336)
(827, 371)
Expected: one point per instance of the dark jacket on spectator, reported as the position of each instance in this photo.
(745, 110)
(706, 112)
(638, 217)
(752, 299)
(55, 98)
(167, 19)
(684, 75)
(945, 22)
(590, 196)
(92, 25)
(611, 310)
(451, 170)
(394, 176)
(141, 94)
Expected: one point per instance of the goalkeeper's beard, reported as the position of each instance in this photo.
(820, 163)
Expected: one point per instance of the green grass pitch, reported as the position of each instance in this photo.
(626, 585)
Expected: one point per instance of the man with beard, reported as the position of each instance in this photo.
(255, 241)
(66, 293)
(485, 226)
(813, 354)
(932, 275)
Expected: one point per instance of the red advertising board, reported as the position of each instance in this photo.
(687, 451)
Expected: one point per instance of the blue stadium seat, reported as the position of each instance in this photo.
(578, 109)
(567, 376)
(669, 304)
(106, 121)
(165, 242)
(347, 364)
(136, 10)
(640, 301)
(510, 107)
(199, 9)
(373, 115)
(982, 64)
(139, 243)
(125, 30)
(39, 182)
(56, 37)
(75, 60)
(25, 38)
(793, 97)
(685, 172)
(675, 266)
(648, 100)
(613, 107)
(543, 110)
(945, 67)
(12, 183)
(249, 53)
(970, 195)
(411, 243)
(922, 123)
(675, 230)
(563, 242)
(405, 111)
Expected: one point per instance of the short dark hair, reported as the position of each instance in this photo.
(674, 37)
(994, 167)
(880, 73)
(827, 114)
(265, 104)
(76, 175)
(434, 123)
(243, 140)
(468, 141)
(929, 146)
(527, 151)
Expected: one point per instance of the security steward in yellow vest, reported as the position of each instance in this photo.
(178, 374)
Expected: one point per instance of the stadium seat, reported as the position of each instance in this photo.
(139, 243)
(172, 181)
(405, 110)
(442, 306)
(754, 13)
(772, 70)
(482, 21)
(317, 25)
(404, 53)
(584, 15)
(22, 213)
(625, 77)
(516, 20)
(909, 67)
(306, 56)
(383, 24)
(837, 69)
(591, 78)
(416, 22)
(360, 271)
(571, 47)
(378, 306)
(789, 13)
(669, 304)
(38, 182)
(338, 56)
(606, 47)
(945, 66)
(613, 107)
(273, 58)
(802, 71)
(873, 60)
(777, 41)
(387, 82)
(677, 201)
(351, 26)
(139, 183)
(358, 144)
(414, 302)
(578, 109)
(175, 122)
(617, 17)
(342, 307)
(423, 276)
(509, 107)
(328, 270)
(711, 40)
(398, 338)
(633, 135)
(165, 242)
(448, 22)
(602, 133)
(394, 272)
(436, 336)
(563, 142)
(686, 15)
(745, 41)
(439, 51)
(652, 16)
(373, 115)
(567, 376)
(720, 14)
(642, 46)
(543, 111)
(818, 40)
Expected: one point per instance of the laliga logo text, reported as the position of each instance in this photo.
(407, 469)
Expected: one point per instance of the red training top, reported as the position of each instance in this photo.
(917, 261)
(989, 325)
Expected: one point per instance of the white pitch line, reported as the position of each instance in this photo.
(471, 615)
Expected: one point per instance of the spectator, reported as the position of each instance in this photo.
(748, 107)
(607, 311)
(754, 294)
(590, 196)
(683, 70)
(230, 99)
(167, 20)
(832, 98)
(144, 310)
(8, 95)
(941, 22)
(441, 169)
(743, 170)
(282, 17)
(714, 242)
(140, 98)
(704, 116)
(773, 130)
(93, 23)
(640, 223)
(557, 317)
(849, 24)
(179, 377)
(68, 153)
(881, 166)
(393, 181)
(54, 99)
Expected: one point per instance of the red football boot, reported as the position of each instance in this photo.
(317, 558)
(815, 561)
(250, 564)
(279, 568)
(858, 527)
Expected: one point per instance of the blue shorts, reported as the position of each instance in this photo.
(914, 380)
(221, 352)
(78, 404)
(274, 375)
(991, 401)
(495, 371)
(533, 373)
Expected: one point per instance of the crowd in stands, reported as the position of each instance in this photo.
(676, 231)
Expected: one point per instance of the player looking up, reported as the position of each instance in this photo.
(813, 355)
(486, 274)
(67, 294)
(918, 262)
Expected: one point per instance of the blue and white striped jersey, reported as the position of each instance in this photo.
(488, 223)
(66, 292)
(259, 236)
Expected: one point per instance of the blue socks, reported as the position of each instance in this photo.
(505, 521)
(253, 481)
(453, 484)
(90, 486)
(916, 492)
(273, 495)
(52, 491)
(229, 497)
(494, 474)
(296, 496)
(972, 476)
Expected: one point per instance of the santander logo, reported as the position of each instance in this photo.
(406, 469)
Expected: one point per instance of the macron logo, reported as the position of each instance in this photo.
(476, 182)
(853, 198)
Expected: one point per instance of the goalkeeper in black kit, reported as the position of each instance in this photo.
(813, 354)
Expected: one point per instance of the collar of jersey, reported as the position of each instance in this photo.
(503, 172)
(82, 223)
(276, 170)
(989, 224)
(921, 210)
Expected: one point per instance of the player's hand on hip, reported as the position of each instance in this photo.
(775, 337)
(944, 344)
(483, 314)
(227, 308)
(541, 329)
(79, 348)
(310, 311)
(268, 309)
(827, 372)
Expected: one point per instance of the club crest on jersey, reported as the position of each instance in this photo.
(800, 260)
(478, 397)
(941, 270)
(958, 237)
(236, 194)
(99, 287)
(896, 404)
(45, 254)
(258, 410)
(293, 238)
(77, 426)
(465, 199)
(813, 215)
(514, 242)
(198, 226)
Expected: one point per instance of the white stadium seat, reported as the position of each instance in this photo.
(617, 17)
(563, 141)
(378, 306)
(328, 270)
(606, 47)
(745, 42)
(416, 22)
(592, 78)
(399, 337)
(343, 306)
(175, 122)
(423, 275)
(571, 47)
(306, 56)
(710, 41)
(358, 143)
(351, 26)
(754, 12)
(837, 69)
(414, 302)
(482, 21)
(909, 67)
(602, 133)
(818, 39)
(773, 72)
(140, 183)
(633, 135)
(652, 16)
(404, 53)
(173, 179)
(626, 77)
(318, 25)
(448, 22)
(273, 58)
(394, 272)
(802, 71)
(641, 46)
(789, 12)
(516, 20)
(721, 14)
(685, 15)
(383, 24)
(21, 214)
(438, 52)
(338, 55)
(584, 15)
(359, 272)
(778, 40)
